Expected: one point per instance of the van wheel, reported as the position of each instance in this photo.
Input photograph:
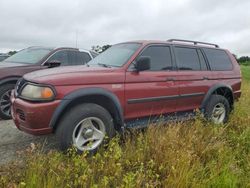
(217, 109)
(5, 104)
(85, 127)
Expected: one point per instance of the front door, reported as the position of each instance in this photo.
(151, 92)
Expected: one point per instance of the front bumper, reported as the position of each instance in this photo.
(33, 118)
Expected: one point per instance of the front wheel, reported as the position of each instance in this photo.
(217, 109)
(5, 104)
(85, 127)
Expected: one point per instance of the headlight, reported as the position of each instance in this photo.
(34, 92)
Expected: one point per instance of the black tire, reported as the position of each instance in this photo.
(212, 103)
(5, 100)
(74, 116)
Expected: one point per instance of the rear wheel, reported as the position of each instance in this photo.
(217, 109)
(85, 127)
(5, 104)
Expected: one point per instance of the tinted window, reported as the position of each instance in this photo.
(83, 57)
(3, 58)
(60, 56)
(202, 61)
(218, 59)
(160, 57)
(187, 58)
(72, 56)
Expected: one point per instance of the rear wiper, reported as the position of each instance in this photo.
(104, 65)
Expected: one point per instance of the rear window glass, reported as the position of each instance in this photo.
(218, 59)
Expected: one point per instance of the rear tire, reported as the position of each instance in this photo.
(217, 109)
(84, 127)
(5, 104)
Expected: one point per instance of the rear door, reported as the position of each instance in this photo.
(192, 79)
(151, 92)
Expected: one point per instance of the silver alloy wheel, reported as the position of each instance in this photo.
(89, 134)
(219, 113)
(5, 103)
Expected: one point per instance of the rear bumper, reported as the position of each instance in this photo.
(237, 95)
(33, 118)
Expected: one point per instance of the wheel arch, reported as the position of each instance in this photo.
(12, 80)
(98, 96)
(219, 89)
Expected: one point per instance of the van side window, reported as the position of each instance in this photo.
(160, 57)
(218, 59)
(187, 58)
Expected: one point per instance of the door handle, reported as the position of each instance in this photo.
(205, 78)
(170, 79)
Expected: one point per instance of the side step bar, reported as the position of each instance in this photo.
(146, 121)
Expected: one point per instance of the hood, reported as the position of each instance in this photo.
(4, 64)
(76, 75)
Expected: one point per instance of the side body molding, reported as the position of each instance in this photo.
(81, 93)
(212, 90)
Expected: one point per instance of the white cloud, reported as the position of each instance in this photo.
(55, 23)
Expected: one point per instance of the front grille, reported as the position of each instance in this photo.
(21, 114)
(19, 86)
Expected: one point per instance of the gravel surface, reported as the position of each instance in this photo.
(12, 140)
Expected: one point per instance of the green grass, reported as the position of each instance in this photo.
(246, 72)
(189, 154)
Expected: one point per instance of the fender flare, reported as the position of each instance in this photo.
(9, 79)
(84, 93)
(212, 90)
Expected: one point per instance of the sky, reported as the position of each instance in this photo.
(85, 23)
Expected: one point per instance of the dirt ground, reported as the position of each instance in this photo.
(12, 140)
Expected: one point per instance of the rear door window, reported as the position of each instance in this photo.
(83, 57)
(218, 59)
(187, 58)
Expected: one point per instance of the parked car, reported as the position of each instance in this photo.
(125, 86)
(31, 59)
(3, 57)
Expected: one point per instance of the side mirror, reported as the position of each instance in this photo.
(53, 63)
(142, 63)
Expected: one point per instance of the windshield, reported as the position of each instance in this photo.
(29, 55)
(116, 56)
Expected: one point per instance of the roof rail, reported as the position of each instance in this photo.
(194, 42)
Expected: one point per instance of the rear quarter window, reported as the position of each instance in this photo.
(218, 59)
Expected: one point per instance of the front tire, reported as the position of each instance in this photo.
(5, 104)
(217, 109)
(85, 127)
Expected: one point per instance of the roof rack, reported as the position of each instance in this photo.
(194, 42)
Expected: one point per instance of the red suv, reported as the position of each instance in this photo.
(126, 86)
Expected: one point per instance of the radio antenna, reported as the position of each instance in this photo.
(76, 38)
